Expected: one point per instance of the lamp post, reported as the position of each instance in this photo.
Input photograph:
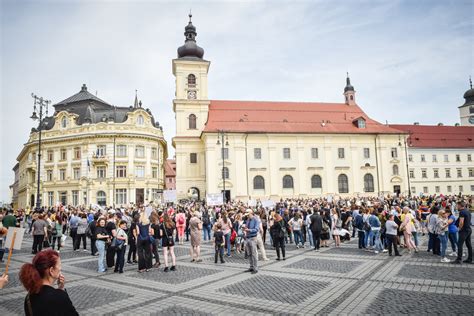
(408, 170)
(38, 106)
(220, 141)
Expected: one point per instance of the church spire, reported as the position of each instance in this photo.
(135, 104)
(190, 49)
(349, 92)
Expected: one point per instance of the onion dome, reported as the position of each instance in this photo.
(469, 95)
(190, 49)
(348, 87)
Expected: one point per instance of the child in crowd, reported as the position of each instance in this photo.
(219, 243)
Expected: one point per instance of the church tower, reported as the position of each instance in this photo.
(191, 106)
(349, 92)
(466, 111)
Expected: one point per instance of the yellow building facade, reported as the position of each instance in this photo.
(277, 149)
(93, 153)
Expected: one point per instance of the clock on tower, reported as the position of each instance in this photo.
(191, 95)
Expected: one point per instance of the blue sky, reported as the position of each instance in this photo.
(408, 60)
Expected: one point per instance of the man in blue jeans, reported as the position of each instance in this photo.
(251, 231)
(465, 232)
(206, 225)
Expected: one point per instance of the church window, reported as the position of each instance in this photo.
(193, 158)
(395, 170)
(225, 173)
(368, 183)
(352, 98)
(140, 120)
(316, 182)
(343, 183)
(287, 182)
(64, 122)
(258, 183)
(191, 80)
(192, 121)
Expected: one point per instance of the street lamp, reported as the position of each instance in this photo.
(38, 106)
(221, 134)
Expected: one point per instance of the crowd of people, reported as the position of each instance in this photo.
(138, 234)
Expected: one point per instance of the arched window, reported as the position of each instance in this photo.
(352, 97)
(191, 80)
(140, 120)
(395, 170)
(343, 183)
(316, 182)
(287, 182)
(64, 122)
(368, 183)
(258, 183)
(192, 121)
(225, 173)
(101, 198)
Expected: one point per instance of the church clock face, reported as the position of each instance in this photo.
(471, 119)
(191, 95)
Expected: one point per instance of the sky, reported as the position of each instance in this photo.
(409, 61)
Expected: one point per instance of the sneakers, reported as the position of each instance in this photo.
(165, 269)
(376, 252)
(173, 268)
(453, 254)
(445, 260)
(385, 250)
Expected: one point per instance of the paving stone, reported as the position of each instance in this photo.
(278, 289)
(394, 302)
(13, 281)
(182, 275)
(179, 310)
(86, 296)
(451, 273)
(329, 265)
(348, 251)
(74, 254)
(14, 305)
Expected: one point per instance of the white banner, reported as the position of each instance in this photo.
(170, 196)
(214, 199)
(18, 238)
(252, 203)
(268, 203)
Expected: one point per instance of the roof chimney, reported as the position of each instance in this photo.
(416, 123)
(457, 124)
(440, 124)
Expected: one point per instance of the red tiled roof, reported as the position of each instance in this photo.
(170, 166)
(289, 117)
(430, 136)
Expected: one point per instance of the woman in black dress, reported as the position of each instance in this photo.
(167, 229)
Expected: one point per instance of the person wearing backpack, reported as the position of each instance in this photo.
(278, 230)
(206, 225)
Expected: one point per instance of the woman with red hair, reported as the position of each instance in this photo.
(38, 278)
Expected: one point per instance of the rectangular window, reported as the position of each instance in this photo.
(446, 158)
(49, 175)
(423, 158)
(472, 187)
(154, 153)
(193, 157)
(121, 151)
(459, 172)
(471, 172)
(394, 152)
(366, 153)
(63, 154)
(437, 189)
(121, 196)
(257, 153)
(423, 173)
(121, 172)
(458, 158)
(469, 157)
(62, 174)
(450, 189)
(425, 189)
(314, 153)
(76, 172)
(50, 155)
(75, 197)
(410, 158)
(101, 172)
(412, 173)
(154, 172)
(435, 173)
(77, 152)
(435, 159)
(50, 198)
(139, 152)
(286, 153)
(140, 171)
(155, 195)
(224, 153)
(340, 153)
(461, 189)
(101, 151)
(413, 190)
(448, 173)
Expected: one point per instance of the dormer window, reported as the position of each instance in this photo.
(191, 81)
(359, 122)
(140, 120)
(64, 122)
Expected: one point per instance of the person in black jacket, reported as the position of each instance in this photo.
(316, 228)
(278, 231)
(91, 232)
(39, 278)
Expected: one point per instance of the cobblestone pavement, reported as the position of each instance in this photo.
(333, 281)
